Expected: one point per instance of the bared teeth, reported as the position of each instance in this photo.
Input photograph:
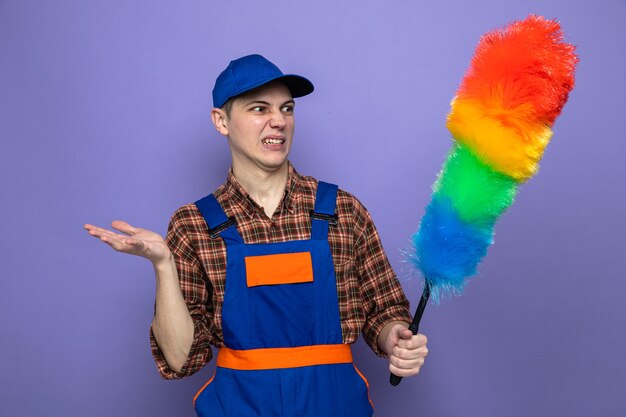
(273, 141)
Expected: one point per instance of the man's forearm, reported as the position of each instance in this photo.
(172, 325)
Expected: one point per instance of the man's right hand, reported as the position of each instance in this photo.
(172, 326)
(134, 241)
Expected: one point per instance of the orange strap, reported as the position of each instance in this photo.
(289, 357)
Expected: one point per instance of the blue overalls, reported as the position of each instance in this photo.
(283, 353)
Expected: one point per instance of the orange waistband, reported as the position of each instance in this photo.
(289, 357)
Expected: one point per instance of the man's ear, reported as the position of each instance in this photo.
(220, 121)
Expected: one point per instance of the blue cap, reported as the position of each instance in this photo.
(252, 71)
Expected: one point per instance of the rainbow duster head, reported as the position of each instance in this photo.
(501, 120)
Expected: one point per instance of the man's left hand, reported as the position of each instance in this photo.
(406, 351)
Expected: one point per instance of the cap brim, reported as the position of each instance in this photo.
(298, 85)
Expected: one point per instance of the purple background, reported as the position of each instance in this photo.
(104, 114)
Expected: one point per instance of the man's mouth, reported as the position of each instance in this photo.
(273, 141)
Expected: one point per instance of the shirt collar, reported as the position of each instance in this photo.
(241, 197)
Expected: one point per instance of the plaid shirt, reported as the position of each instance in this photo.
(369, 293)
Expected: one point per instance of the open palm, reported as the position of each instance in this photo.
(132, 240)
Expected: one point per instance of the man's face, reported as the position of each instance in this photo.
(260, 128)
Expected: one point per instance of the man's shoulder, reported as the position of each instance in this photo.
(347, 202)
(349, 206)
(310, 182)
(187, 217)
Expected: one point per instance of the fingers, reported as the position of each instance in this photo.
(118, 242)
(404, 333)
(399, 332)
(124, 227)
(405, 368)
(98, 231)
(413, 341)
(408, 356)
(411, 349)
(95, 230)
(132, 240)
(120, 225)
(408, 363)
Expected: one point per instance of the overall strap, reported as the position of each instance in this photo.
(217, 221)
(324, 212)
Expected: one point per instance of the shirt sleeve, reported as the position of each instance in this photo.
(196, 290)
(381, 293)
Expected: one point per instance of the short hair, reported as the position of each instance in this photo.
(227, 107)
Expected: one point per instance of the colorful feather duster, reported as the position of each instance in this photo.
(501, 119)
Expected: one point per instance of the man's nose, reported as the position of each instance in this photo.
(278, 120)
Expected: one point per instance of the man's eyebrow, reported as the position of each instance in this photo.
(254, 101)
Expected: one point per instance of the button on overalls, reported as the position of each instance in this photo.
(283, 353)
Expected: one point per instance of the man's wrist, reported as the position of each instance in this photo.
(161, 267)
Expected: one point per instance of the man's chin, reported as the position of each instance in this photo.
(275, 166)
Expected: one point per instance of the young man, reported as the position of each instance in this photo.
(277, 270)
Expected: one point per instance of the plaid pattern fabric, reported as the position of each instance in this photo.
(369, 293)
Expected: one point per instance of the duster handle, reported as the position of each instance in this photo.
(414, 326)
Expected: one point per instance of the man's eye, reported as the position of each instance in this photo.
(287, 109)
(257, 108)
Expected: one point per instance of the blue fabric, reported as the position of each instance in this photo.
(285, 315)
(280, 315)
(251, 71)
(325, 201)
(326, 198)
(215, 216)
(312, 391)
